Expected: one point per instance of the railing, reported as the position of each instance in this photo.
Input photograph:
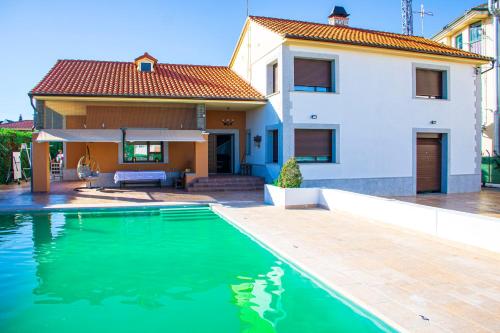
(475, 47)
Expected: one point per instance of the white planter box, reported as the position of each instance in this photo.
(291, 197)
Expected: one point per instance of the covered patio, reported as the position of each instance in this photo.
(176, 153)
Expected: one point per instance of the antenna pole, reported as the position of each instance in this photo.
(407, 17)
(422, 14)
(248, 11)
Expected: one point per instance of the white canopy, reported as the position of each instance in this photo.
(80, 135)
(163, 135)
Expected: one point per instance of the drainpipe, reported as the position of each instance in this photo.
(494, 9)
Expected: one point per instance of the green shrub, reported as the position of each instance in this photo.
(290, 176)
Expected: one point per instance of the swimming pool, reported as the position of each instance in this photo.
(155, 270)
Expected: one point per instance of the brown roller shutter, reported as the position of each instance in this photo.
(429, 83)
(313, 73)
(313, 142)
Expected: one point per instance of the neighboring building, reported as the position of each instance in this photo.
(368, 111)
(475, 32)
(22, 125)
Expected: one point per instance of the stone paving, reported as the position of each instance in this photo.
(486, 202)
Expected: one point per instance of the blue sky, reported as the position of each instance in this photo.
(34, 33)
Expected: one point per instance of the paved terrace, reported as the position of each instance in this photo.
(397, 274)
(486, 202)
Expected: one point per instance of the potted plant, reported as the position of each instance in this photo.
(286, 191)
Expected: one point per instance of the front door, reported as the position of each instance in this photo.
(429, 166)
(220, 153)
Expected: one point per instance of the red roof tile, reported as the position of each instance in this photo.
(20, 125)
(355, 36)
(122, 79)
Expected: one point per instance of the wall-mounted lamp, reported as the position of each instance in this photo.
(314, 116)
(433, 122)
(227, 122)
(257, 140)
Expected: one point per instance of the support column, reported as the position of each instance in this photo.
(201, 157)
(40, 167)
(200, 160)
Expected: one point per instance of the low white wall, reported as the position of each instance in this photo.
(471, 229)
(291, 197)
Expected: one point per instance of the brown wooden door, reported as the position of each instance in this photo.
(429, 164)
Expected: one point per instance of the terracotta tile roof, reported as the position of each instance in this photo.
(19, 125)
(122, 79)
(354, 36)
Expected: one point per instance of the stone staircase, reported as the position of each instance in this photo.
(226, 183)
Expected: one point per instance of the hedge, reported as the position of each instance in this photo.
(11, 140)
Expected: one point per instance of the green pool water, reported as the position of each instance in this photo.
(169, 270)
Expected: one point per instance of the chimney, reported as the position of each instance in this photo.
(339, 17)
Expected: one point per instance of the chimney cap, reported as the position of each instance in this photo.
(339, 11)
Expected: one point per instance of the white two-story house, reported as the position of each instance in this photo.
(368, 111)
(475, 32)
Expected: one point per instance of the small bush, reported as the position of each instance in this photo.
(290, 176)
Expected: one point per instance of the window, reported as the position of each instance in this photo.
(430, 83)
(313, 75)
(142, 152)
(459, 44)
(475, 36)
(146, 67)
(272, 146)
(275, 151)
(248, 143)
(275, 78)
(314, 145)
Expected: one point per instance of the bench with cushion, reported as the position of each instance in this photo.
(139, 177)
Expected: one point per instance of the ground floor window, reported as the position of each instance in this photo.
(314, 145)
(142, 151)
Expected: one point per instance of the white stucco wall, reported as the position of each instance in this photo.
(377, 113)
(258, 50)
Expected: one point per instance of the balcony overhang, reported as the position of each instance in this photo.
(76, 105)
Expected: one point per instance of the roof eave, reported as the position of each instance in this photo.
(479, 59)
(177, 98)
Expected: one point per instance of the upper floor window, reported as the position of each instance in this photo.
(313, 75)
(272, 78)
(459, 43)
(146, 67)
(475, 36)
(275, 78)
(430, 83)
